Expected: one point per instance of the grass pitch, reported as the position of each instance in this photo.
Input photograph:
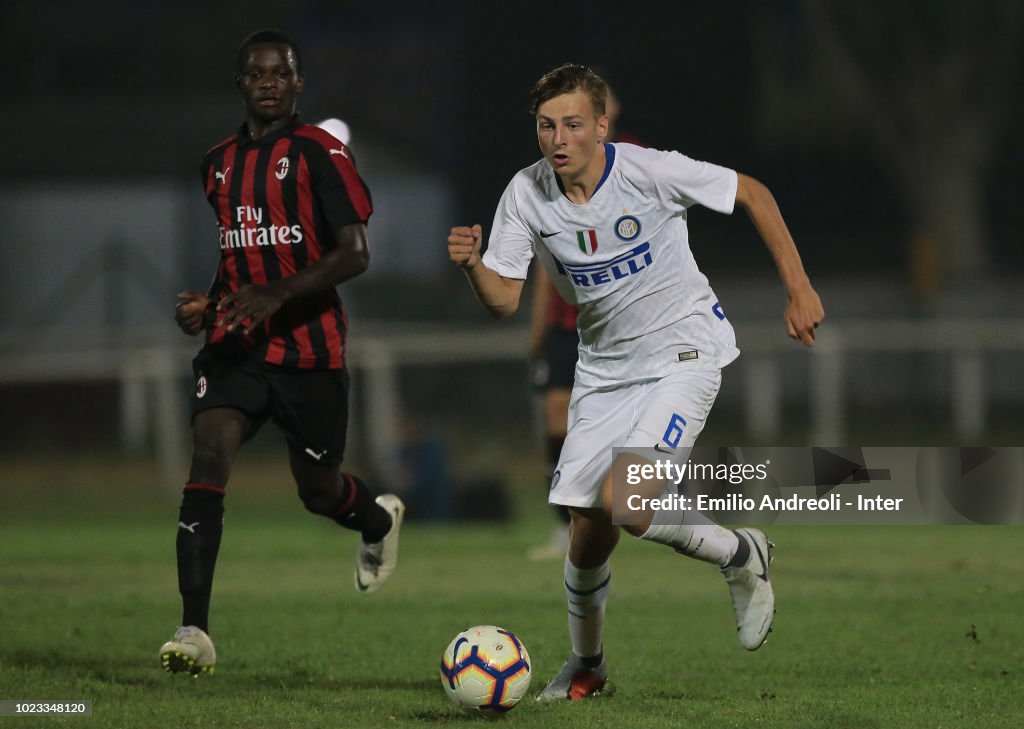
(876, 627)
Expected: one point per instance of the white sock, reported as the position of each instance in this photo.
(706, 542)
(587, 593)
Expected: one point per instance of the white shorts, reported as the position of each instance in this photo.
(670, 412)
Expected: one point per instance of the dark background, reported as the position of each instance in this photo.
(888, 132)
(127, 91)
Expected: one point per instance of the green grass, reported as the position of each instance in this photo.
(877, 627)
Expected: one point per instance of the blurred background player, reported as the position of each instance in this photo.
(337, 129)
(292, 213)
(554, 342)
(553, 351)
(608, 222)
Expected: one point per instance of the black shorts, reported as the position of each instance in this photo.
(310, 406)
(556, 368)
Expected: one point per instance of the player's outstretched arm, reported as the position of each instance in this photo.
(498, 294)
(804, 311)
(190, 310)
(349, 258)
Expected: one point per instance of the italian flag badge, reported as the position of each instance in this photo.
(587, 240)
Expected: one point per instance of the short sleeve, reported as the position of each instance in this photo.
(687, 182)
(343, 196)
(510, 245)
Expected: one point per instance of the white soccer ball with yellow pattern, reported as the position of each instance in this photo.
(486, 669)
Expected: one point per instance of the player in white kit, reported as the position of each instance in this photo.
(608, 223)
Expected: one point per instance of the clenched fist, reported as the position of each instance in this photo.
(464, 246)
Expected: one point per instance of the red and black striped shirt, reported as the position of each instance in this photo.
(560, 314)
(278, 201)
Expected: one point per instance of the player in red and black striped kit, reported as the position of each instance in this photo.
(291, 212)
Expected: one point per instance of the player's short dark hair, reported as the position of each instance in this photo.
(566, 79)
(268, 35)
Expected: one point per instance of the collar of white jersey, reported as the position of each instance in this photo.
(609, 160)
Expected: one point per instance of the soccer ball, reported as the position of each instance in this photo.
(485, 669)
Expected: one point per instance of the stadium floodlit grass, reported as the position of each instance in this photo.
(877, 627)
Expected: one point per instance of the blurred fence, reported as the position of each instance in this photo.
(152, 376)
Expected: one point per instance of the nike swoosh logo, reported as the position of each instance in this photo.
(548, 235)
(760, 556)
(360, 585)
(669, 451)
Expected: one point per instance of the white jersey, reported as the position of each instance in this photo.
(645, 309)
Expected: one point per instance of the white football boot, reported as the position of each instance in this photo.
(575, 681)
(190, 650)
(751, 590)
(376, 561)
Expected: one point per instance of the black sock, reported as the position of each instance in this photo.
(200, 525)
(742, 552)
(360, 512)
(592, 661)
